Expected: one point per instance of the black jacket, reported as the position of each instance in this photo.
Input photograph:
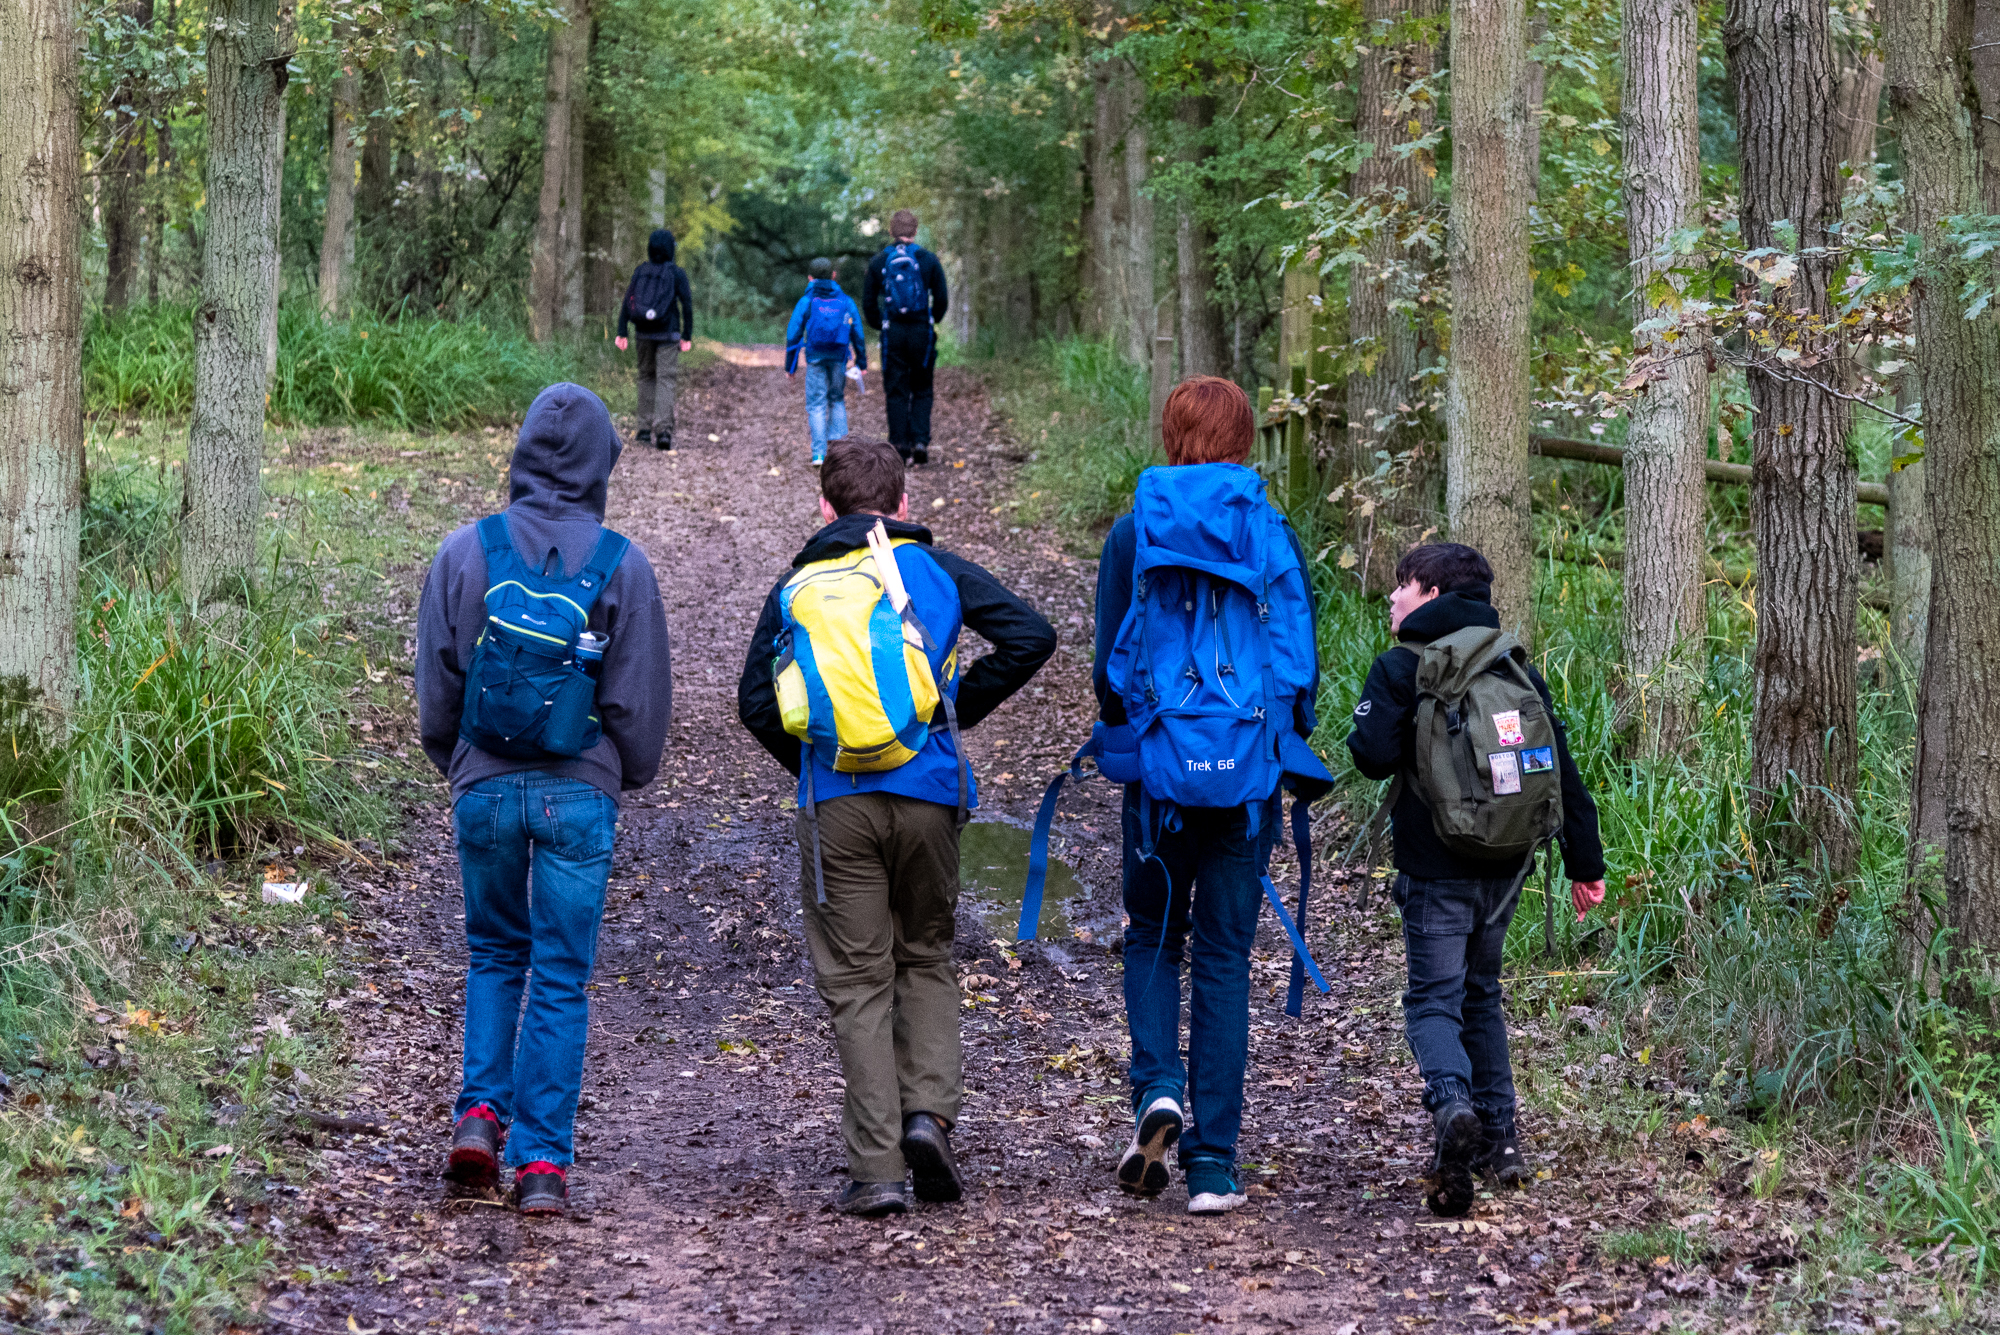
(871, 286)
(1021, 640)
(679, 315)
(1384, 739)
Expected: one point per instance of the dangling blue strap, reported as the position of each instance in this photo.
(1038, 844)
(1301, 957)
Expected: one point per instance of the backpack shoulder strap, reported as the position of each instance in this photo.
(611, 549)
(498, 544)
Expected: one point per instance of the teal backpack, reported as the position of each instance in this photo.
(528, 692)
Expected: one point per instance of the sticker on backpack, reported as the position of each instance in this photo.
(1506, 773)
(1538, 759)
(1508, 723)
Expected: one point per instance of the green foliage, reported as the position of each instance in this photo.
(1080, 412)
(417, 372)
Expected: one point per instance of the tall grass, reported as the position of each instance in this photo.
(1080, 411)
(417, 372)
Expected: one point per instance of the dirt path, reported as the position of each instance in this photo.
(708, 1139)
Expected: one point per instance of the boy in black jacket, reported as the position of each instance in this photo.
(660, 308)
(908, 321)
(1452, 1011)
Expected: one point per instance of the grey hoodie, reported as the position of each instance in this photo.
(562, 463)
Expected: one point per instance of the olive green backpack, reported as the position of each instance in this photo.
(1484, 754)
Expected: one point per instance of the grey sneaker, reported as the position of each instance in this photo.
(872, 1200)
(1461, 1142)
(1212, 1187)
(1143, 1169)
(927, 1150)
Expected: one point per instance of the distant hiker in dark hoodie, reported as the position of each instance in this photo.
(885, 841)
(1456, 910)
(904, 296)
(541, 812)
(660, 310)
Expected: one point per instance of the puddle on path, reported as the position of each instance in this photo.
(993, 873)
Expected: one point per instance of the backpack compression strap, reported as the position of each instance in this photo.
(1038, 844)
(1302, 960)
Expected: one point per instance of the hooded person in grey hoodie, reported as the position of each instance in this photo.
(554, 815)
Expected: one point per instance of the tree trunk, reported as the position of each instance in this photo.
(163, 172)
(248, 47)
(1933, 90)
(41, 326)
(1486, 388)
(1204, 342)
(125, 179)
(272, 256)
(1666, 496)
(1860, 102)
(1138, 240)
(548, 273)
(573, 188)
(1118, 224)
(378, 155)
(337, 238)
(1803, 732)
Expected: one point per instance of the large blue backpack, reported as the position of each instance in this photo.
(528, 693)
(829, 322)
(904, 294)
(1211, 662)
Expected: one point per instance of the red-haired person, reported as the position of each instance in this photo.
(1198, 891)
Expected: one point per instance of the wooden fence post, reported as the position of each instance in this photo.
(1298, 446)
(1163, 364)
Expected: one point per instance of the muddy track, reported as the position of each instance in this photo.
(708, 1140)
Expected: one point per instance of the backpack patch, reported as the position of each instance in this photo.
(903, 289)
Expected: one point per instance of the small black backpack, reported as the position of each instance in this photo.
(650, 303)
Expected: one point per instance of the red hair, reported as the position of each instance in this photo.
(1208, 421)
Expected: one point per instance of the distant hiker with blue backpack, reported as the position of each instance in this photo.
(904, 296)
(1206, 674)
(659, 308)
(543, 693)
(825, 327)
(1462, 722)
(854, 684)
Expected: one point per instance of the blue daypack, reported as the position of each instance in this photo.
(829, 321)
(903, 290)
(528, 695)
(1210, 662)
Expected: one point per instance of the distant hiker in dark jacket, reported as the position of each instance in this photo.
(904, 296)
(552, 815)
(884, 841)
(1452, 1011)
(660, 309)
(825, 327)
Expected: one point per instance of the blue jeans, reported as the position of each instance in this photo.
(826, 403)
(1215, 872)
(528, 1066)
(1452, 1013)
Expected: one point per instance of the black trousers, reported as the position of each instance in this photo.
(909, 354)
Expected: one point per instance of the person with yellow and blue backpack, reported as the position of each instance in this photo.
(825, 326)
(853, 683)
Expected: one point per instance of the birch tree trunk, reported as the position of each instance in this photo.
(248, 46)
(41, 328)
(1932, 88)
(548, 270)
(1803, 732)
(1204, 343)
(1486, 387)
(337, 236)
(1666, 496)
(125, 179)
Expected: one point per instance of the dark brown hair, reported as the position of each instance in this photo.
(902, 224)
(1207, 421)
(1448, 567)
(862, 475)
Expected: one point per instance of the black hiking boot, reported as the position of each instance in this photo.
(1461, 1141)
(665, 442)
(540, 1188)
(475, 1150)
(872, 1200)
(1143, 1169)
(646, 436)
(920, 454)
(1500, 1158)
(927, 1150)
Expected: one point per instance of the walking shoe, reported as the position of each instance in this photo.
(1143, 1170)
(921, 454)
(927, 1150)
(818, 459)
(1212, 1187)
(475, 1149)
(1500, 1158)
(872, 1200)
(541, 1188)
(666, 443)
(1461, 1141)
(646, 436)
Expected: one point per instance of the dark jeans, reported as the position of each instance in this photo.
(1452, 1012)
(534, 853)
(1215, 873)
(909, 357)
(659, 376)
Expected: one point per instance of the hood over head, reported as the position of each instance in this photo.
(660, 246)
(563, 457)
(1448, 612)
(850, 531)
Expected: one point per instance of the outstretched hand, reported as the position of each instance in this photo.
(1585, 895)
(621, 342)
(686, 346)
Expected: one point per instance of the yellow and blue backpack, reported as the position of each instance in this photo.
(860, 680)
